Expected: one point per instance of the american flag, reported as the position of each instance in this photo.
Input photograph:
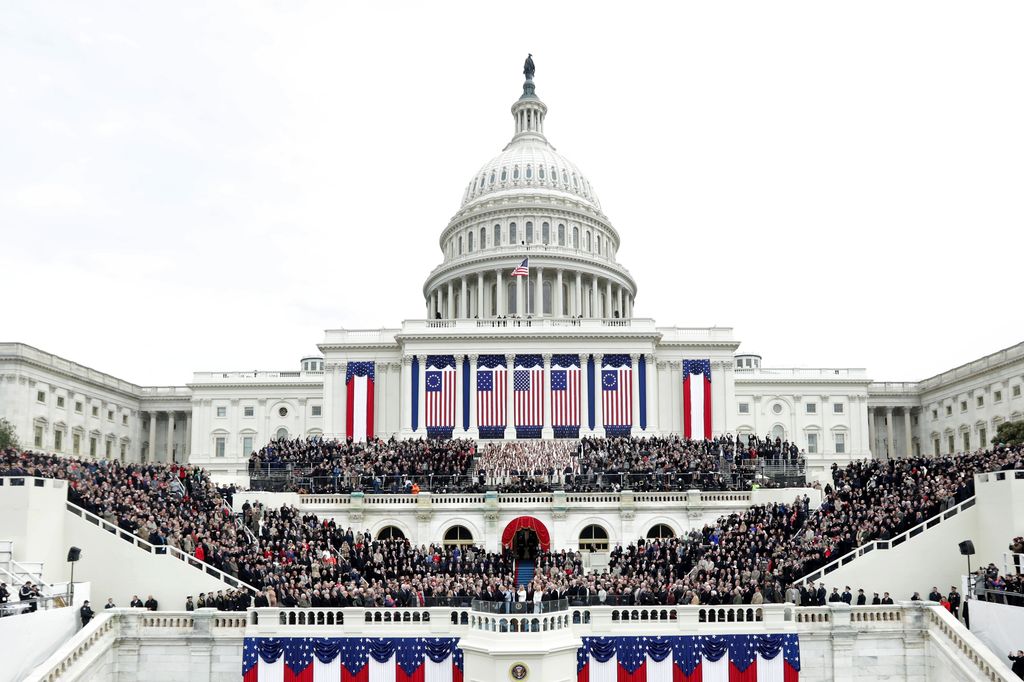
(565, 391)
(491, 393)
(731, 658)
(351, 659)
(617, 392)
(697, 399)
(523, 269)
(529, 391)
(441, 392)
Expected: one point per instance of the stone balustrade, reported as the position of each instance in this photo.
(910, 640)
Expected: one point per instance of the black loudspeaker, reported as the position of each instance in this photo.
(74, 554)
(967, 548)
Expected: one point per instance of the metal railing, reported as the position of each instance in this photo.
(167, 550)
(517, 607)
(41, 603)
(871, 546)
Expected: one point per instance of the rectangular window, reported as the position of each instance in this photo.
(812, 408)
(1016, 391)
(78, 407)
(248, 411)
(980, 401)
(220, 446)
(952, 444)
(109, 449)
(39, 436)
(837, 408)
(76, 444)
(914, 420)
(95, 411)
(840, 443)
(744, 408)
(935, 415)
(997, 396)
(982, 437)
(222, 411)
(949, 410)
(58, 440)
(963, 405)
(124, 451)
(41, 396)
(317, 410)
(124, 419)
(935, 447)
(247, 445)
(545, 233)
(812, 443)
(561, 235)
(110, 415)
(60, 401)
(967, 441)
(92, 447)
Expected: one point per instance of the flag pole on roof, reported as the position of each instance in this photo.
(523, 269)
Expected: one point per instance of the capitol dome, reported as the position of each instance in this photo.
(529, 205)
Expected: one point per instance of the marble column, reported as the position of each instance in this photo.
(890, 429)
(450, 312)
(186, 448)
(595, 304)
(872, 436)
(598, 395)
(405, 398)
(342, 401)
(510, 415)
(547, 431)
(520, 309)
(618, 301)
(474, 430)
(608, 305)
(908, 434)
(481, 312)
(538, 294)
(464, 299)
(577, 300)
(500, 299)
(421, 408)
(171, 417)
(151, 450)
(558, 303)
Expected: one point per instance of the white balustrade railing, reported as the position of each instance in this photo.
(166, 550)
(874, 545)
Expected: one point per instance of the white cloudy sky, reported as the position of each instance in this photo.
(208, 185)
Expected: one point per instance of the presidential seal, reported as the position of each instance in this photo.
(518, 671)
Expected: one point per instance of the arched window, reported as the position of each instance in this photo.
(469, 242)
(457, 536)
(513, 237)
(510, 301)
(554, 174)
(778, 431)
(390, 532)
(561, 234)
(483, 237)
(460, 246)
(573, 181)
(504, 174)
(491, 182)
(593, 538)
(540, 172)
(530, 297)
(545, 233)
(587, 245)
(575, 237)
(529, 172)
(548, 303)
(515, 173)
(529, 232)
(497, 235)
(661, 531)
(282, 433)
(598, 245)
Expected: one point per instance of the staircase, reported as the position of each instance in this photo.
(524, 571)
(16, 573)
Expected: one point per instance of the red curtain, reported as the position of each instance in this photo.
(526, 522)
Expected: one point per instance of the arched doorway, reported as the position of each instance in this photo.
(525, 536)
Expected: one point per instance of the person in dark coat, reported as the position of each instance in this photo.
(1018, 663)
(151, 603)
(861, 598)
(86, 613)
(954, 601)
(136, 603)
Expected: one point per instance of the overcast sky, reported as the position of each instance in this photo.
(205, 186)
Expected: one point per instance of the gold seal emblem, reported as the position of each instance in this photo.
(518, 671)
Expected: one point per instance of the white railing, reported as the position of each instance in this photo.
(873, 545)
(86, 646)
(160, 549)
(946, 630)
(581, 324)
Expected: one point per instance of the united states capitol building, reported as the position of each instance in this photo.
(570, 317)
(527, 333)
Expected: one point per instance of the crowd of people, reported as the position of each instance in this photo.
(298, 559)
(1007, 586)
(318, 465)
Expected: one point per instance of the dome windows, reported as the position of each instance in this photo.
(598, 245)
(483, 237)
(515, 173)
(565, 177)
(513, 236)
(529, 172)
(469, 242)
(504, 174)
(497, 235)
(529, 232)
(491, 182)
(586, 245)
(554, 174)
(561, 234)
(575, 237)
(540, 172)
(545, 233)
(574, 183)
